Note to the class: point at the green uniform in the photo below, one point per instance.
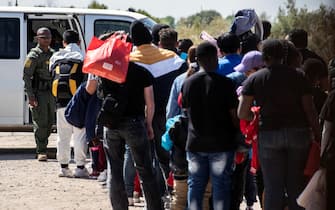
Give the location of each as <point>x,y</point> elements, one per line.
<point>37,84</point>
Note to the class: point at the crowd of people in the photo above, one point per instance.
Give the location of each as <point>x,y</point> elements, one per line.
<point>193,126</point>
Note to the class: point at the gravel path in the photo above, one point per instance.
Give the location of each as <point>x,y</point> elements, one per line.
<point>28,184</point>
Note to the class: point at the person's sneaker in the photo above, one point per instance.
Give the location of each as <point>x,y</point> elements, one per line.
<point>136,197</point>
<point>166,199</point>
<point>81,173</point>
<point>94,174</point>
<point>65,172</point>
<point>42,157</point>
<point>130,201</point>
<point>103,176</point>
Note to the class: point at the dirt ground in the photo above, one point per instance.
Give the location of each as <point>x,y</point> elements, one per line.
<point>26,184</point>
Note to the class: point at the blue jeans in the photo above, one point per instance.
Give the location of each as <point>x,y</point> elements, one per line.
<point>131,131</point>
<point>216,166</point>
<point>283,154</point>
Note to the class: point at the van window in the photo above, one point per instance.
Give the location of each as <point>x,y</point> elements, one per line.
<point>10,38</point>
<point>74,25</point>
<point>104,26</point>
<point>148,22</point>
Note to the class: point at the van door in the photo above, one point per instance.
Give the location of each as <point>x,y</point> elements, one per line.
<point>57,25</point>
<point>12,55</point>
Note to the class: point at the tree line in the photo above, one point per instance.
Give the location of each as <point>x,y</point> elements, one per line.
<point>320,25</point>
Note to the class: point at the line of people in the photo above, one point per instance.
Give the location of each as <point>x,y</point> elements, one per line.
<point>231,117</point>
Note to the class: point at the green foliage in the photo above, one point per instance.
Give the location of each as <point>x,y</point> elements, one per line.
<point>264,16</point>
<point>143,12</point>
<point>201,18</point>
<point>319,24</point>
<point>230,18</point>
<point>96,5</point>
<point>169,20</point>
<point>216,27</point>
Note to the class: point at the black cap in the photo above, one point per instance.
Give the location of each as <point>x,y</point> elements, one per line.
<point>139,33</point>
<point>155,32</point>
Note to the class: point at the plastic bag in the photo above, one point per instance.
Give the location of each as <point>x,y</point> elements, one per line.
<point>108,59</point>
<point>314,195</point>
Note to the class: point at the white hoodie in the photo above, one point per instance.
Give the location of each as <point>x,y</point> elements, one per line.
<point>71,51</point>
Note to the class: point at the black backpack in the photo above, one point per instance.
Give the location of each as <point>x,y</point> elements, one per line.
<point>114,102</point>
<point>178,132</point>
<point>67,76</point>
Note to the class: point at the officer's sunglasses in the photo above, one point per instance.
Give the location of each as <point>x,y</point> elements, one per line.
<point>44,37</point>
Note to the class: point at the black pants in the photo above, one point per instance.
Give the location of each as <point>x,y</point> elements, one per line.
<point>133,133</point>
<point>161,156</point>
<point>243,183</point>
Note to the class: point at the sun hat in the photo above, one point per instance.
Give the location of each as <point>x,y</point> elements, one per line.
<point>251,60</point>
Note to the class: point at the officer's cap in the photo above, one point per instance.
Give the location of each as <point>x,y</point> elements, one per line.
<point>43,33</point>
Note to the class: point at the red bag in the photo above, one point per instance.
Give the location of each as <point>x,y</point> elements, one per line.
<point>108,59</point>
<point>313,160</point>
<point>99,162</point>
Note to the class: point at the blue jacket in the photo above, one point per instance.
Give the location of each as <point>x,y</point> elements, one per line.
<point>76,108</point>
<point>82,110</point>
<point>172,107</point>
<point>92,111</point>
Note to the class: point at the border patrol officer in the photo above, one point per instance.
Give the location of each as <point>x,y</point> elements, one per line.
<point>37,85</point>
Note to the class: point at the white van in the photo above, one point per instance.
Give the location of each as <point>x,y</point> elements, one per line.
<point>18,26</point>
